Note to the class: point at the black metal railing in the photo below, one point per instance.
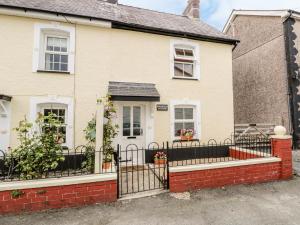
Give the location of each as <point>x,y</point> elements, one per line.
<point>73,162</point>
<point>231,149</point>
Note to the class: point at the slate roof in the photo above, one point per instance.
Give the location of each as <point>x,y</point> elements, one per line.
<point>129,16</point>
<point>5,97</point>
<point>127,89</point>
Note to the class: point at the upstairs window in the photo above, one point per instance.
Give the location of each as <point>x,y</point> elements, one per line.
<point>54,48</point>
<point>56,54</point>
<point>185,60</point>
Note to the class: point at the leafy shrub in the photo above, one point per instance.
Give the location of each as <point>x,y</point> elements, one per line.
<point>40,149</point>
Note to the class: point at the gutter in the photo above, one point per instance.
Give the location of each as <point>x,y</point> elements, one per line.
<point>114,24</point>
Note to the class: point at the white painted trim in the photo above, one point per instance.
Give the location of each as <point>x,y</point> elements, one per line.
<point>53,182</point>
<point>190,44</point>
<point>40,31</point>
<point>68,101</point>
<point>254,152</point>
<point>150,107</point>
<point>52,17</point>
<point>281,137</point>
<point>186,102</point>
<point>223,165</point>
<point>235,13</point>
<point>5,129</point>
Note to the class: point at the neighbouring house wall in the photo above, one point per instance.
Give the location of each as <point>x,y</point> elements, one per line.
<point>103,55</point>
<point>259,71</point>
<point>292,27</point>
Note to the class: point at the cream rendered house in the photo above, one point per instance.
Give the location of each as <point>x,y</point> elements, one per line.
<point>165,72</point>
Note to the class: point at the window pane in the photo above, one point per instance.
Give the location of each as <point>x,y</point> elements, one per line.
<point>189,52</point>
<point>64,58</point>
<point>178,113</point>
<point>188,70</point>
<point>136,121</point>
<point>179,52</point>
<point>189,126</point>
<point>56,66</point>
<point>126,121</point>
<point>56,58</point>
<point>64,67</point>
<point>178,127</point>
<point>188,113</point>
<point>178,69</point>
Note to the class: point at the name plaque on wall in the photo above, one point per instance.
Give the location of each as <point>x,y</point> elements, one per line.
<point>162,107</point>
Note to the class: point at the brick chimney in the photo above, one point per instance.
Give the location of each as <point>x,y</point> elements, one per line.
<point>192,9</point>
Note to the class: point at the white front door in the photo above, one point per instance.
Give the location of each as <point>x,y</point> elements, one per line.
<point>131,121</point>
<point>4,125</point>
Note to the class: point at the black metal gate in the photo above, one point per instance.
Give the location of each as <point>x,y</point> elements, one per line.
<point>138,171</point>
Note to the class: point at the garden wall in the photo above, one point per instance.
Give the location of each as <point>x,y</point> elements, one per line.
<point>28,196</point>
<point>250,170</point>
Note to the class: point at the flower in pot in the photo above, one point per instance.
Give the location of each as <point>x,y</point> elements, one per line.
<point>107,161</point>
<point>160,158</point>
<point>187,134</point>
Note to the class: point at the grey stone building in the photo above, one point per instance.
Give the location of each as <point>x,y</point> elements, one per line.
<point>266,63</point>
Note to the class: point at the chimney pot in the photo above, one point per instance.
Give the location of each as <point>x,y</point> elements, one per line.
<point>192,9</point>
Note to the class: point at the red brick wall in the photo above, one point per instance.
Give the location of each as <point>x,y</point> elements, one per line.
<point>248,174</point>
<point>186,181</point>
<point>58,197</point>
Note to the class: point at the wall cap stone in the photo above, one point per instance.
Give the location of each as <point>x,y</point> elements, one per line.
<point>223,165</point>
<point>281,137</point>
<point>52,182</point>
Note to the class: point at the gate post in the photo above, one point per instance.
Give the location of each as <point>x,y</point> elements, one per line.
<point>99,137</point>
<point>168,180</point>
<point>118,170</point>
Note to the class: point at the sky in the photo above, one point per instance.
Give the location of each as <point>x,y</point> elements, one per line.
<point>214,12</point>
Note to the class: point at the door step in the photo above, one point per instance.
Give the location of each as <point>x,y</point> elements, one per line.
<point>143,194</point>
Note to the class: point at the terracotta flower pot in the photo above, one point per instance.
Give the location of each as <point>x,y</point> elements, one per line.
<point>186,138</point>
<point>106,165</point>
<point>160,161</point>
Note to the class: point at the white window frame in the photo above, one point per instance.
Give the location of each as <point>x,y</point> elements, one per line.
<point>44,106</point>
<point>5,106</point>
<point>185,120</point>
<point>185,44</point>
<point>197,116</point>
<point>53,30</point>
<point>46,36</point>
<point>36,104</point>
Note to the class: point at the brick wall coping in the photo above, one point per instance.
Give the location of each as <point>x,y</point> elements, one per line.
<point>281,137</point>
<point>223,165</point>
<point>250,151</point>
<point>19,185</point>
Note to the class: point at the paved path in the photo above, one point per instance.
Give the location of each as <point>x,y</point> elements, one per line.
<point>275,203</point>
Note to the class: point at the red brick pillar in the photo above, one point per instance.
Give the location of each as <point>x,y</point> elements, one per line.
<point>282,148</point>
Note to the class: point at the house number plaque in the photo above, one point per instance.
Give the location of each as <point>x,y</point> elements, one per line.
<point>162,107</point>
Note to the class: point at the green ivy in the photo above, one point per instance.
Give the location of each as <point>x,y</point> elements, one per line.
<point>16,193</point>
<point>40,149</point>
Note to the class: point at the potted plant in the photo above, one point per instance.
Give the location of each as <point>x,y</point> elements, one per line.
<point>187,134</point>
<point>160,158</point>
<point>107,161</point>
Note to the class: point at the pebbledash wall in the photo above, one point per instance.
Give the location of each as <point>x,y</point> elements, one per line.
<point>252,169</point>
<point>84,190</point>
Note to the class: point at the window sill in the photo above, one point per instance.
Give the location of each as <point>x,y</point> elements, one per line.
<point>185,78</point>
<point>53,71</point>
<point>179,140</point>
